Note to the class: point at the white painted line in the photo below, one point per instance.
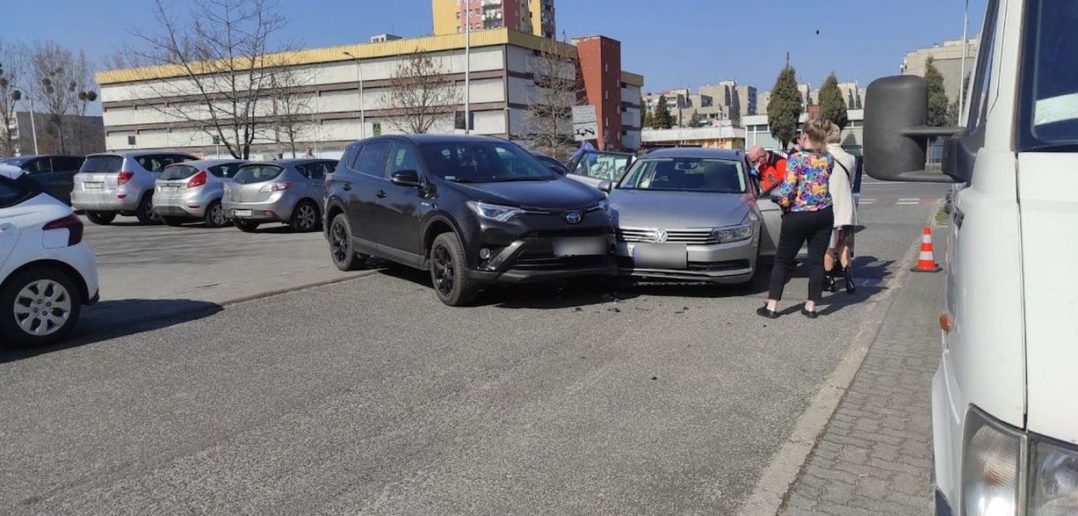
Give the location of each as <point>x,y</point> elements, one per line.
<point>907,203</point>
<point>909,199</point>
<point>782,471</point>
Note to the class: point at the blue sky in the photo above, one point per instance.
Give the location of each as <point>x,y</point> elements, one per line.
<point>674,43</point>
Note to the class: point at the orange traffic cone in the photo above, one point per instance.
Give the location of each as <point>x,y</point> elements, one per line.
<point>925,262</point>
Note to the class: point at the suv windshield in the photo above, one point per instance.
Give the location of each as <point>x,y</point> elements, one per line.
<point>14,161</point>
<point>106,163</point>
<point>1050,118</point>
<point>483,162</point>
<point>172,172</point>
<point>686,175</point>
<point>257,174</point>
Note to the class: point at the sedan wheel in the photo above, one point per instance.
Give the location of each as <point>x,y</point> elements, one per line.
<point>215,215</point>
<point>305,218</point>
<point>41,306</point>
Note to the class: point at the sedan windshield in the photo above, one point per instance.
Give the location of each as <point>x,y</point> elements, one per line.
<point>686,175</point>
<point>483,162</point>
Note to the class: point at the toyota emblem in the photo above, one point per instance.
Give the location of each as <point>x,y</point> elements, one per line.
<point>573,217</point>
<point>660,236</point>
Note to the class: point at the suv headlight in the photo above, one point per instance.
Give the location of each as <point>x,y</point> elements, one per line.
<point>732,233</point>
<point>990,466</point>
<point>494,211</point>
<point>1053,487</point>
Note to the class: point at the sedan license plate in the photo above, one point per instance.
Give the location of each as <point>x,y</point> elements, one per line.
<point>660,256</point>
<point>93,186</point>
<point>242,213</point>
<point>579,246</point>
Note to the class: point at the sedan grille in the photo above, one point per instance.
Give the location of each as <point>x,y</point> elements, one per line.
<point>680,236</point>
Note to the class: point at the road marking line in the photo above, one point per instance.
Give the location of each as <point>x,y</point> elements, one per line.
<point>785,466</point>
<point>909,199</point>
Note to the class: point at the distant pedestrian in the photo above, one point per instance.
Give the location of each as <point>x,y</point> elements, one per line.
<point>841,247</point>
<point>770,166</point>
<point>808,216</point>
<point>309,153</point>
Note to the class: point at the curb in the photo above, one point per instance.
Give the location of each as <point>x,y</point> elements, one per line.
<point>769,494</point>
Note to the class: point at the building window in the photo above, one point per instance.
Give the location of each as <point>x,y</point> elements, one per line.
<point>606,95</point>
<point>606,67</point>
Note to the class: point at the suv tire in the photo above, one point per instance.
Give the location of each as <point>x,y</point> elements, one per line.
<point>101,218</point>
<point>304,217</point>
<point>145,213</point>
<point>448,271</point>
<point>341,252</point>
<point>39,306</point>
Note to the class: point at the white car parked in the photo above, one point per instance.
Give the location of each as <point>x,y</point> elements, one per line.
<point>47,273</point>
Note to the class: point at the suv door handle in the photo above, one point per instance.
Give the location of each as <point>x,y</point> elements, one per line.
<point>381,194</point>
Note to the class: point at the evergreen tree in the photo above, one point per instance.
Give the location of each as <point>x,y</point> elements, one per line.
<point>954,110</point>
<point>937,97</point>
<point>832,103</point>
<point>695,120</point>
<point>649,117</point>
<point>662,119</point>
<point>784,107</point>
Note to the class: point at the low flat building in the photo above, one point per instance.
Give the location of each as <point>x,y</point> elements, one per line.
<point>758,132</point>
<point>947,58</point>
<point>502,89</point>
<point>719,137</point>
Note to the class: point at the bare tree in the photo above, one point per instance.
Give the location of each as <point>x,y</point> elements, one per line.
<point>292,109</point>
<point>12,75</point>
<point>421,93</point>
<point>558,89</point>
<point>55,85</point>
<point>222,58</point>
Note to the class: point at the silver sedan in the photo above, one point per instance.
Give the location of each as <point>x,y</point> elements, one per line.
<point>693,214</point>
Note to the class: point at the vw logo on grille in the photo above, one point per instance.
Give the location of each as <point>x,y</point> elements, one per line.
<point>573,217</point>
<point>660,236</point>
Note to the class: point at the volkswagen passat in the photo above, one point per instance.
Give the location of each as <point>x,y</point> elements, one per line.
<point>693,214</point>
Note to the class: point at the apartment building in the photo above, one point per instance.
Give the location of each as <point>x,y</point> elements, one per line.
<point>947,58</point>
<point>531,16</point>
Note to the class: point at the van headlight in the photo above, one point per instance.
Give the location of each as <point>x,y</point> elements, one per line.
<point>1053,487</point>
<point>494,211</point>
<point>990,466</point>
<point>732,233</point>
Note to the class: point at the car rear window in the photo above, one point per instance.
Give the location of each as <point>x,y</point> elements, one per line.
<point>178,172</point>
<point>257,174</point>
<point>227,171</point>
<point>102,164</point>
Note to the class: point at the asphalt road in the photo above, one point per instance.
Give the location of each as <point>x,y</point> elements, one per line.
<point>370,396</point>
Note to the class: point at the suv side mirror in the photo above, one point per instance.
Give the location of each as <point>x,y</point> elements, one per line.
<point>405,178</point>
<point>606,186</point>
<point>896,137</point>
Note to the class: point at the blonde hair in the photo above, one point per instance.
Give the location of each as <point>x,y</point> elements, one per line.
<point>835,134</point>
<point>817,131</point>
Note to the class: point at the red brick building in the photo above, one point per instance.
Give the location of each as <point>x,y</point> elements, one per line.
<point>600,69</point>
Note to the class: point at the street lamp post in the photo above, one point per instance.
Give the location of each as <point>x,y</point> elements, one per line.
<point>965,51</point>
<point>362,110</point>
<point>468,67</point>
<point>33,126</point>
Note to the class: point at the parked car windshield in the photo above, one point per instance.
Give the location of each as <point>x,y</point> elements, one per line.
<point>102,164</point>
<point>172,172</point>
<point>602,165</point>
<point>18,162</point>
<point>686,174</point>
<point>257,173</point>
<point>1052,111</point>
<point>483,162</point>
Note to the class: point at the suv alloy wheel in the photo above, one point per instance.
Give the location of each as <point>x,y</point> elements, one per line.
<point>448,271</point>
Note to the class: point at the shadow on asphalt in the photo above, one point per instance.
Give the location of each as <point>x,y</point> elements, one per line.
<point>113,319</point>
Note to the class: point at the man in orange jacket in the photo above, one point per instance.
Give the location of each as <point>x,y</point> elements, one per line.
<point>771,166</point>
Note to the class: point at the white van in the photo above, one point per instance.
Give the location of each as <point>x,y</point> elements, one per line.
<point>1005,397</point>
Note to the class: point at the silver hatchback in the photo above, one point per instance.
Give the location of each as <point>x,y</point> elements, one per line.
<point>288,191</point>
<point>121,183</point>
<point>193,191</point>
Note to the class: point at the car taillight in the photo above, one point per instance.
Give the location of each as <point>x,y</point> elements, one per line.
<point>73,226</point>
<point>277,187</point>
<point>124,177</point>
<point>198,180</point>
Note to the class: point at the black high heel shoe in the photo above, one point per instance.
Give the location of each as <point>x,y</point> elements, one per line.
<point>764,312</point>
<point>850,287</point>
<point>829,281</point>
<point>811,314</point>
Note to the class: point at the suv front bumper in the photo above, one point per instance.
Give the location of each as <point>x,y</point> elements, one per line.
<point>540,259</point>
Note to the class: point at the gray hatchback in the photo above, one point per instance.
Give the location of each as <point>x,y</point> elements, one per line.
<point>288,191</point>
<point>193,190</point>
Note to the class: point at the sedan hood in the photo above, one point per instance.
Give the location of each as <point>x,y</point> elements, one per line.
<point>655,209</point>
<point>559,194</point>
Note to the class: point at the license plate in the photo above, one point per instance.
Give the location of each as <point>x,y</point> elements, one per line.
<point>93,186</point>
<point>660,256</point>
<point>169,188</point>
<point>242,213</point>
<point>579,246</point>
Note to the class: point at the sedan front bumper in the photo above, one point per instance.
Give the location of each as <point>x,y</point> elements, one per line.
<point>733,262</point>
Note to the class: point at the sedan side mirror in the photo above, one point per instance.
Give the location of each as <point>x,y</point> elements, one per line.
<point>606,186</point>
<point>406,178</point>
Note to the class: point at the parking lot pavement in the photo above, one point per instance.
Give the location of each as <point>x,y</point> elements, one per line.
<point>370,396</point>
<point>876,455</point>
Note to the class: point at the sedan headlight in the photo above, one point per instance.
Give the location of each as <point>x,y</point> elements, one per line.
<point>1053,488</point>
<point>494,211</point>
<point>732,233</point>
<point>990,466</point>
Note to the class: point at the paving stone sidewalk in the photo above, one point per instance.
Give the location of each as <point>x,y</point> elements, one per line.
<point>875,456</point>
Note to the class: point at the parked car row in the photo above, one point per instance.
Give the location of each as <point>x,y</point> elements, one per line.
<point>475,211</point>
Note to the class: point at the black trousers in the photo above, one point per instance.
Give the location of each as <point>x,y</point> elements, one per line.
<point>797,228</point>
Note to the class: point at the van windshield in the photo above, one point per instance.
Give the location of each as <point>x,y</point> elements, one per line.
<point>257,174</point>
<point>1051,112</point>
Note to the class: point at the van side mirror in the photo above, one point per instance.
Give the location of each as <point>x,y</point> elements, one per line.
<point>896,137</point>
<point>406,178</point>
